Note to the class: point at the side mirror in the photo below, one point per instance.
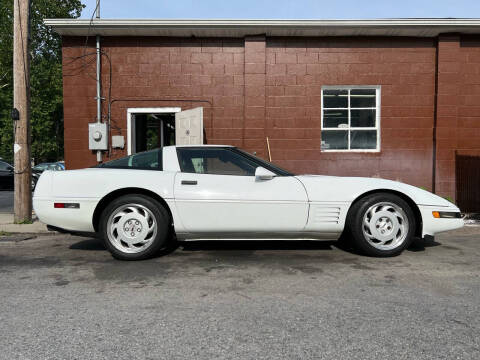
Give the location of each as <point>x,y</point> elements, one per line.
<point>262,174</point>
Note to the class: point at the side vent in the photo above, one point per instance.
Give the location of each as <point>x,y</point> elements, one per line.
<point>324,214</point>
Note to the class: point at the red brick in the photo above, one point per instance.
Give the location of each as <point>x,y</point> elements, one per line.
<point>171,68</point>
<point>201,79</point>
<point>234,69</point>
<point>191,68</point>
<point>255,57</point>
<point>296,69</point>
<point>222,58</point>
<point>254,79</point>
<point>307,58</point>
<point>201,58</point>
<point>285,58</point>
<point>213,69</point>
<point>254,68</point>
<point>238,58</point>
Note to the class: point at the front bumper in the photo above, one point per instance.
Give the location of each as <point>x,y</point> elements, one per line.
<point>445,222</point>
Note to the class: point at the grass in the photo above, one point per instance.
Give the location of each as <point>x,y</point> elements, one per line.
<point>24,222</point>
<point>4,233</point>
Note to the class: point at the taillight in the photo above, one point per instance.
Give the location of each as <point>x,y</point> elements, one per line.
<point>66,205</point>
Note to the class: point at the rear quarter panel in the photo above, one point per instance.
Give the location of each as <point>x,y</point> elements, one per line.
<point>87,187</point>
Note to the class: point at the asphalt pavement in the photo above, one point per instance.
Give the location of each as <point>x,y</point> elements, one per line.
<point>65,297</point>
<point>6,201</point>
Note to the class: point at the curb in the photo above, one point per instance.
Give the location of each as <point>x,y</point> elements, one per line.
<point>7,226</point>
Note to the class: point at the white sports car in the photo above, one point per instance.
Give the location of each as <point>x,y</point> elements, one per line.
<point>137,203</point>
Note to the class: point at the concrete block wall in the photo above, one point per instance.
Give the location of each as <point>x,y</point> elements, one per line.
<point>258,87</point>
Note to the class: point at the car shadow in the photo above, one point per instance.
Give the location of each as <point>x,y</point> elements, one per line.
<point>93,244</point>
<point>252,245</point>
<point>420,244</point>
<point>88,245</point>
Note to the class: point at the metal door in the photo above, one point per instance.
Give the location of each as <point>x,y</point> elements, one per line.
<point>189,127</point>
<point>468,183</point>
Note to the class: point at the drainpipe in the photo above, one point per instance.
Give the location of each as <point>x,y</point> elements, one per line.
<point>99,93</point>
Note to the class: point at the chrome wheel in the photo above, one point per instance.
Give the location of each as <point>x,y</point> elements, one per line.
<point>131,228</point>
<point>385,226</point>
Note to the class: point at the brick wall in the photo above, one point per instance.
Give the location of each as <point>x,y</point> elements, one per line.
<point>153,72</point>
<point>458,109</point>
<point>405,70</point>
<point>256,87</point>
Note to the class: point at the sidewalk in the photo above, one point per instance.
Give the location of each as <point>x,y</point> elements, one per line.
<point>7,225</point>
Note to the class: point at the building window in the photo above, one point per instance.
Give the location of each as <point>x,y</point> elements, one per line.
<point>351,118</point>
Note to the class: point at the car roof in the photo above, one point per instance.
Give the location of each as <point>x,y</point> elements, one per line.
<point>199,146</point>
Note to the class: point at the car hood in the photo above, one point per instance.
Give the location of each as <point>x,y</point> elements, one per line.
<point>336,188</point>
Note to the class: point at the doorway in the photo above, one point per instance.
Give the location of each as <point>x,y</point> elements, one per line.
<point>150,128</point>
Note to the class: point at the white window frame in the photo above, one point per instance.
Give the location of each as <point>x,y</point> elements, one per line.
<point>349,129</point>
<point>131,122</point>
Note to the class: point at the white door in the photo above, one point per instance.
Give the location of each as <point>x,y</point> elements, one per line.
<point>211,199</point>
<point>189,127</point>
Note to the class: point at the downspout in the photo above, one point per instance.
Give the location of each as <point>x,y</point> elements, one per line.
<point>435,115</point>
<point>99,90</point>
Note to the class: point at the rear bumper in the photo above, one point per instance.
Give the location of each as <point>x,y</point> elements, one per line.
<point>69,220</point>
<point>432,225</point>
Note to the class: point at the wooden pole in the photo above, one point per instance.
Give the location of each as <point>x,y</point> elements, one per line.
<point>268,147</point>
<point>21,101</point>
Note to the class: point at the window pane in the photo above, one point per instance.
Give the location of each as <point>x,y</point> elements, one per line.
<point>335,98</point>
<point>147,160</point>
<point>335,118</point>
<point>363,139</point>
<point>215,161</point>
<point>4,166</point>
<point>334,140</point>
<point>362,118</point>
<point>362,98</point>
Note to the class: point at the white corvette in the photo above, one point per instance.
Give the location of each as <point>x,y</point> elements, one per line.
<point>137,203</point>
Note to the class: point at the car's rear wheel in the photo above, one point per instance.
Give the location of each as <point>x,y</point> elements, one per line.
<point>134,227</point>
<point>381,224</point>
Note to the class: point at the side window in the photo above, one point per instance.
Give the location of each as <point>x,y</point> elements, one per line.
<point>216,161</point>
<point>4,166</point>
<point>147,160</point>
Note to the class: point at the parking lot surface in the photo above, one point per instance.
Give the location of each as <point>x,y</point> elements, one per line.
<point>66,297</point>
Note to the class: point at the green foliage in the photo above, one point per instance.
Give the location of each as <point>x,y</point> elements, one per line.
<point>24,222</point>
<point>45,78</point>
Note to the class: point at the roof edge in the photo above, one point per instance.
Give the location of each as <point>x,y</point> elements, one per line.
<point>222,27</point>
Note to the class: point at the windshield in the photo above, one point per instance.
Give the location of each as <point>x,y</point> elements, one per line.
<point>267,165</point>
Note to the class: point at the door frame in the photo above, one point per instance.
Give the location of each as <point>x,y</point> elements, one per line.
<point>131,124</point>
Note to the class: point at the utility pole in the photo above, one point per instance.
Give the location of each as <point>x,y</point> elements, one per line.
<point>21,102</point>
<point>99,88</point>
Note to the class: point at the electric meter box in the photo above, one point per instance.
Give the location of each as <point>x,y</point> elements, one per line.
<point>97,136</point>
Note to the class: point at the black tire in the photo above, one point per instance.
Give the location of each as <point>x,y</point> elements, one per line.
<point>163,224</point>
<point>355,225</point>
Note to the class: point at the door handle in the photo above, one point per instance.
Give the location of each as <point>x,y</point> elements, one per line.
<point>189,182</point>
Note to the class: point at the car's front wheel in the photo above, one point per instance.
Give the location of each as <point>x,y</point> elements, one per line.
<point>134,227</point>
<point>381,224</point>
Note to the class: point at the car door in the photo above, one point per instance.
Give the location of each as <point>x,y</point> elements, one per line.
<point>6,175</point>
<point>217,192</point>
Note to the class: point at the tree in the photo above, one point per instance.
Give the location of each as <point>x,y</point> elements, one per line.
<point>45,78</point>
